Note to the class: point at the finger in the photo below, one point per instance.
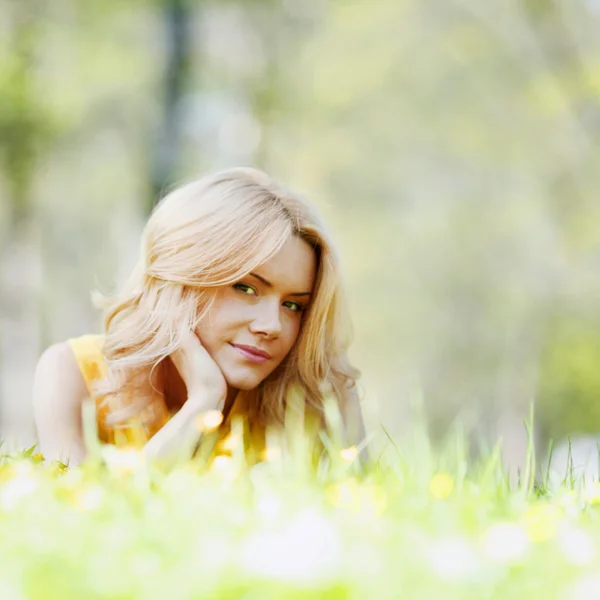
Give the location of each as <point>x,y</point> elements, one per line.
<point>190,354</point>
<point>183,355</point>
<point>178,360</point>
<point>192,344</point>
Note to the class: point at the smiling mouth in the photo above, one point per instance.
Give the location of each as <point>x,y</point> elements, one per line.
<point>252,354</point>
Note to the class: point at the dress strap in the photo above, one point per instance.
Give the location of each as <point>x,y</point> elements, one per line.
<point>87,350</point>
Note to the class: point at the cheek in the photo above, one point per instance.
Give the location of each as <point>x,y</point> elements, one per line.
<point>225,315</point>
<point>212,329</point>
<point>290,334</point>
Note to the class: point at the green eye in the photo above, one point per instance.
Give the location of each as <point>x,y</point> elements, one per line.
<point>294,306</point>
<point>245,289</point>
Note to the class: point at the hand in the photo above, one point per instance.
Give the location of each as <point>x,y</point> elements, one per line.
<point>203,379</point>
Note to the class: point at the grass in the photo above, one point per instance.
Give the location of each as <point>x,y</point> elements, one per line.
<point>413,524</point>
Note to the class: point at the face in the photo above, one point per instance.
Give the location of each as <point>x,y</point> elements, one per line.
<point>255,322</point>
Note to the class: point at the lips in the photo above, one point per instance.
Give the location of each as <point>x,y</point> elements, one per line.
<point>252,353</point>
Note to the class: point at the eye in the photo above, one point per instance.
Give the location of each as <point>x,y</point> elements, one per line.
<point>245,289</point>
<point>294,306</point>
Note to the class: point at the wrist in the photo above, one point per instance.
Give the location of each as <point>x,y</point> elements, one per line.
<point>204,400</point>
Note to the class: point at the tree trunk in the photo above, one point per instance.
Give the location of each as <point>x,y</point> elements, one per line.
<point>177,17</point>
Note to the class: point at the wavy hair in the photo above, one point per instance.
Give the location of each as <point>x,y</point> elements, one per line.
<point>209,233</point>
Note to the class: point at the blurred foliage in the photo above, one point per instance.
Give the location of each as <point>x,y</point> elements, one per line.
<point>25,123</point>
<point>454,148</point>
<point>569,401</point>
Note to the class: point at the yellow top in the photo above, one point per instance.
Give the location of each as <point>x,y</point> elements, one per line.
<point>137,431</point>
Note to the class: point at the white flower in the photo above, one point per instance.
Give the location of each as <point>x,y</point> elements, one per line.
<point>506,542</point>
<point>269,506</point>
<point>307,550</point>
<point>11,590</point>
<point>453,559</point>
<point>122,461</point>
<point>577,546</point>
<point>89,498</point>
<point>22,484</point>
<point>585,588</point>
<point>179,481</point>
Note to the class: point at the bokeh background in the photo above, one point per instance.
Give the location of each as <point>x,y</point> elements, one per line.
<point>452,146</point>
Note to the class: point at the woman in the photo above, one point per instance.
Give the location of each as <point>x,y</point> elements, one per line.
<point>235,304</point>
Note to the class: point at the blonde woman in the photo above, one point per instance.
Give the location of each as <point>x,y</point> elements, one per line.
<point>235,304</point>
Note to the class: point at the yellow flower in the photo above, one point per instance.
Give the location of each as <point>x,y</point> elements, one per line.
<point>21,483</point>
<point>88,497</point>
<point>123,461</point>
<point>221,463</point>
<point>344,494</point>
<point>225,468</point>
<point>349,454</point>
<point>272,453</point>
<point>374,498</point>
<point>592,494</point>
<point>57,468</point>
<point>541,521</point>
<point>441,485</point>
<point>209,421</point>
<point>367,498</point>
<point>231,442</point>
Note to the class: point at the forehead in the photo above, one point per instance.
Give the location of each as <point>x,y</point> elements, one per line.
<point>293,268</point>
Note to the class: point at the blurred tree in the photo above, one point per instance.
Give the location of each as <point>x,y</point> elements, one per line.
<point>26,128</point>
<point>569,402</point>
<point>25,124</point>
<point>177,19</point>
<point>454,146</point>
<point>452,136</point>
<point>281,27</point>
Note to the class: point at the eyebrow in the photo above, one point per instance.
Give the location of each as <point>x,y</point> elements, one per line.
<point>270,285</point>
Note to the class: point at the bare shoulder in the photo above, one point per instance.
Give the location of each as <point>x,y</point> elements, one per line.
<point>59,390</point>
<point>57,375</point>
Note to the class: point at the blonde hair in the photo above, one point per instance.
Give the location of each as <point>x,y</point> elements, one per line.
<point>209,233</point>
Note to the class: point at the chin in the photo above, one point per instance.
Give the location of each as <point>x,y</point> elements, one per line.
<point>244,381</point>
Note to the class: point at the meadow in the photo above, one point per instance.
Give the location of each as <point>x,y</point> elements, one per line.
<point>409,522</point>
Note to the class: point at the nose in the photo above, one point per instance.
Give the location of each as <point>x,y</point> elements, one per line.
<point>266,321</point>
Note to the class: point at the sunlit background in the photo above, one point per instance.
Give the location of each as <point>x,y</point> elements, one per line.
<point>452,147</point>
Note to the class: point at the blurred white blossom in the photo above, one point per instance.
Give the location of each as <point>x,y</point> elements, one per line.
<point>307,550</point>
<point>506,542</point>
<point>453,559</point>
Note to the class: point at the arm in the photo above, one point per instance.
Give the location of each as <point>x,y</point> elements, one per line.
<point>58,393</point>
<point>180,435</point>
<point>207,390</point>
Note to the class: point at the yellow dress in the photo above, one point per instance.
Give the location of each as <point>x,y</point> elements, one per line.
<point>87,350</point>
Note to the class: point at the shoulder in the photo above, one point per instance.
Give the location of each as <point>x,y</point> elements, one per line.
<point>57,372</point>
<point>87,352</point>
<point>89,345</point>
<point>60,350</point>
<point>59,391</point>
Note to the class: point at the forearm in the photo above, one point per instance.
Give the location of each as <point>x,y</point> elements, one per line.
<point>178,438</point>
